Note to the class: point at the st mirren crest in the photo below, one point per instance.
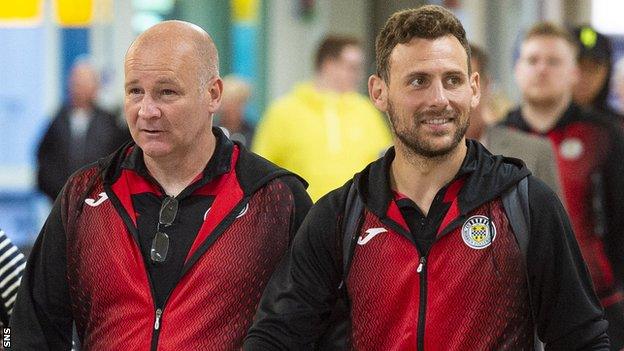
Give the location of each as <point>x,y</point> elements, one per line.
<point>478,232</point>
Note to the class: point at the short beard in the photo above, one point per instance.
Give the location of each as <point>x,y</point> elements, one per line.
<point>420,147</point>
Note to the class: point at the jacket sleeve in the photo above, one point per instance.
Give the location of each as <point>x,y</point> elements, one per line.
<point>299,298</point>
<point>546,167</point>
<point>614,205</point>
<point>565,306</point>
<point>302,203</point>
<point>12,264</point>
<point>50,168</point>
<point>42,318</point>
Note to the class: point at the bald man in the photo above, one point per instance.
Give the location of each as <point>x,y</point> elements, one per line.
<point>168,243</point>
<point>80,133</point>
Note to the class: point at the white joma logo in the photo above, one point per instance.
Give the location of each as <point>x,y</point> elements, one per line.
<point>370,233</point>
<point>92,202</point>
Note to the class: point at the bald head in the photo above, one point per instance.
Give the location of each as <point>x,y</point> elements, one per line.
<point>185,38</point>
<point>83,84</point>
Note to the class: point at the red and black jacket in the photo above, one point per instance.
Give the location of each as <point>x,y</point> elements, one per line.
<point>462,293</point>
<point>88,265</point>
<point>590,159</point>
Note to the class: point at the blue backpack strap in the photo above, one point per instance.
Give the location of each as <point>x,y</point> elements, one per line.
<point>516,204</point>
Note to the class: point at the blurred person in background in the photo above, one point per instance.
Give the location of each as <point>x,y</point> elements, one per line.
<point>80,133</point>
<point>231,115</point>
<point>535,151</point>
<point>595,67</point>
<point>618,83</point>
<point>168,242</point>
<point>324,130</point>
<point>590,156</point>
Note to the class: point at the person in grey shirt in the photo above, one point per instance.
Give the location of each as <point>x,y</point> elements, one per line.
<point>536,152</point>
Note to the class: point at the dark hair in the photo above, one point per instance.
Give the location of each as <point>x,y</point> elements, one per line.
<point>596,47</point>
<point>331,47</point>
<point>426,22</point>
<point>548,29</point>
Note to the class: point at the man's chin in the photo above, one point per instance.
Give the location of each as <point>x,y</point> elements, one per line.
<point>432,149</point>
<point>155,150</point>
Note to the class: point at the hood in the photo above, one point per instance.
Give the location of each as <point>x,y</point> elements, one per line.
<point>486,177</point>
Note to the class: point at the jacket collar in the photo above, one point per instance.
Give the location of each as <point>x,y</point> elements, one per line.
<point>486,176</point>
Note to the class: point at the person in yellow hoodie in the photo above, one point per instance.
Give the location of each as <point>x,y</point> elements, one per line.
<point>324,130</point>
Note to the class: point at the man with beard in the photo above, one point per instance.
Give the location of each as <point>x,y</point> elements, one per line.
<point>430,259</point>
<point>590,157</point>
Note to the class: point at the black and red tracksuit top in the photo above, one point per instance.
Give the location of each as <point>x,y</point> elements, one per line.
<point>106,289</point>
<point>590,158</point>
<point>468,291</point>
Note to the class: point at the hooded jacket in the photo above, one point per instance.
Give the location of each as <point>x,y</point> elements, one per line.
<point>324,137</point>
<point>590,150</point>
<point>467,291</point>
<point>88,265</point>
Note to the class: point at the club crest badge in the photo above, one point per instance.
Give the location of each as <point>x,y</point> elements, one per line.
<point>478,233</point>
<point>571,148</point>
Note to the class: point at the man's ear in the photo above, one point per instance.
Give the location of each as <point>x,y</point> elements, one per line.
<point>378,92</point>
<point>214,93</point>
<point>475,86</point>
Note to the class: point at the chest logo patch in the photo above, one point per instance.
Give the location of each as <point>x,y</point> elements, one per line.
<point>94,203</point>
<point>478,232</point>
<point>369,234</point>
<point>571,148</point>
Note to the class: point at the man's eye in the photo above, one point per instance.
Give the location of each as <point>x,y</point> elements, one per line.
<point>417,82</point>
<point>454,80</point>
<point>134,91</point>
<point>168,92</point>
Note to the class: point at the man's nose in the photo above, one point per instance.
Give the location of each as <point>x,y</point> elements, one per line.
<point>148,108</point>
<point>439,95</point>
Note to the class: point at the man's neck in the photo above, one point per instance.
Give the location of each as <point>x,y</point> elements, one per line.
<point>420,178</point>
<point>543,117</point>
<point>175,172</point>
<point>325,84</point>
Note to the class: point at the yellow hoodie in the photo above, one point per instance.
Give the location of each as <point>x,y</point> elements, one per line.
<point>324,137</point>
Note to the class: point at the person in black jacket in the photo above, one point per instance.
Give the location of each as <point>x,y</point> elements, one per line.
<point>169,242</point>
<point>595,62</point>
<point>436,261</point>
<point>80,133</point>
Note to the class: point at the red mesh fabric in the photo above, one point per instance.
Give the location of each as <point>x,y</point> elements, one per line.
<point>478,299</point>
<point>210,309</point>
<point>472,302</point>
<point>110,294</point>
<point>213,307</point>
<point>575,176</point>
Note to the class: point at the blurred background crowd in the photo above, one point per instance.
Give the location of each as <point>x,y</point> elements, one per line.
<point>62,81</point>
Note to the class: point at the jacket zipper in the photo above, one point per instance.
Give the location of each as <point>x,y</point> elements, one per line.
<point>160,310</point>
<point>157,319</point>
<point>422,303</point>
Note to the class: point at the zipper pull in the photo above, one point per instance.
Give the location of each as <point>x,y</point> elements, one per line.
<point>157,321</point>
<point>423,260</point>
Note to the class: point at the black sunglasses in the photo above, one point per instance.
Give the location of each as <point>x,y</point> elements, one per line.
<point>160,243</point>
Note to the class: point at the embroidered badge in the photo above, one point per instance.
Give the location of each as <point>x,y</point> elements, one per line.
<point>571,148</point>
<point>478,233</point>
